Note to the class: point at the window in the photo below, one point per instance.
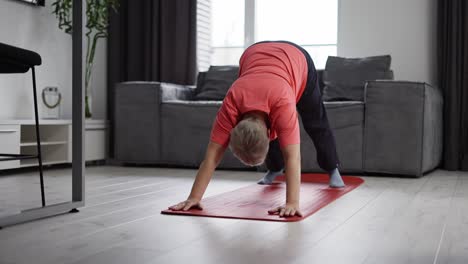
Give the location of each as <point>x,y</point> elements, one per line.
<point>236,24</point>
<point>227,31</point>
<point>309,23</point>
<point>203,34</point>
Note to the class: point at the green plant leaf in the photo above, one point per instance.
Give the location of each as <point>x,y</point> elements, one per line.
<point>97,23</point>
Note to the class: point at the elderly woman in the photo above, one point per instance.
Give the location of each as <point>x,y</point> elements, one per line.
<point>258,121</point>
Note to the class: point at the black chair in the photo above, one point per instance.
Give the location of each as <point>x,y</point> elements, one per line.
<point>16,60</point>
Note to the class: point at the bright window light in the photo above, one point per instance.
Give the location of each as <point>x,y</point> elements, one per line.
<point>313,24</point>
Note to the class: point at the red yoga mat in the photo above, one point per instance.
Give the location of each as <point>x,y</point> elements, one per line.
<point>254,201</point>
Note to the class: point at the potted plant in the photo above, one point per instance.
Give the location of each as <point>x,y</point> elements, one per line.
<point>97,22</point>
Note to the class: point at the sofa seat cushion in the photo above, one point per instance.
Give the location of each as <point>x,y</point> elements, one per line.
<point>186,125</point>
<point>340,114</point>
<point>347,122</point>
<point>345,114</point>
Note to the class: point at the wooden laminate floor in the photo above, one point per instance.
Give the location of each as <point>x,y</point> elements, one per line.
<point>386,220</point>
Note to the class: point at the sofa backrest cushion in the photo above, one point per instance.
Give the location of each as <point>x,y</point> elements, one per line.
<point>345,78</point>
<point>214,83</point>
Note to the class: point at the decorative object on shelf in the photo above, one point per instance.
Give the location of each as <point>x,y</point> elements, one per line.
<point>51,98</point>
<point>34,2</point>
<point>97,22</point>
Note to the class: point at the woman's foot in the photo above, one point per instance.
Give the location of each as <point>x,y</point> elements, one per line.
<point>335,179</point>
<point>269,177</point>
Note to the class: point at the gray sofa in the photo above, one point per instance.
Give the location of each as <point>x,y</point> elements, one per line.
<point>395,129</point>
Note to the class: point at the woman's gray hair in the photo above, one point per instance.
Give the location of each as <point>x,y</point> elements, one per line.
<point>249,142</point>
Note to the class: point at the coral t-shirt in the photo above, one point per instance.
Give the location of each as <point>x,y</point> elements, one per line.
<point>272,78</point>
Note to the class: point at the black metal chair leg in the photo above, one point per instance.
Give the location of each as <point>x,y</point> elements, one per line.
<point>38,138</point>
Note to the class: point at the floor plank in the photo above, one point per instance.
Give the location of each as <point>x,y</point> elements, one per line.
<point>386,220</point>
<point>413,233</point>
<point>453,244</point>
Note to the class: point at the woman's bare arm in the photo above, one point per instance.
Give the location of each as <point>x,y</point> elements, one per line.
<point>292,161</point>
<point>213,156</point>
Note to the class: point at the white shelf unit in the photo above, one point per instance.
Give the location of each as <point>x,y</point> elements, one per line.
<point>52,153</point>
<point>19,137</point>
<point>27,144</point>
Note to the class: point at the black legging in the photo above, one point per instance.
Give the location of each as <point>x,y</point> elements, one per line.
<point>314,118</point>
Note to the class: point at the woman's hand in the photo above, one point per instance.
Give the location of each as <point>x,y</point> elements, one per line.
<point>186,205</point>
<point>286,210</point>
<point>214,153</point>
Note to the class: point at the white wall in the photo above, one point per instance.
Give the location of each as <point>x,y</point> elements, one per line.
<point>35,28</point>
<point>405,29</point>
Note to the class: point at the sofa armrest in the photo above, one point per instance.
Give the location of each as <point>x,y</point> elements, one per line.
<point>137,122</point>
<point>402,127</point>
<point>171,91</point>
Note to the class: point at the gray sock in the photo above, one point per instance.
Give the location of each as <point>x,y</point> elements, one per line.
<point>270,177</point>
<point>335,179</point>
